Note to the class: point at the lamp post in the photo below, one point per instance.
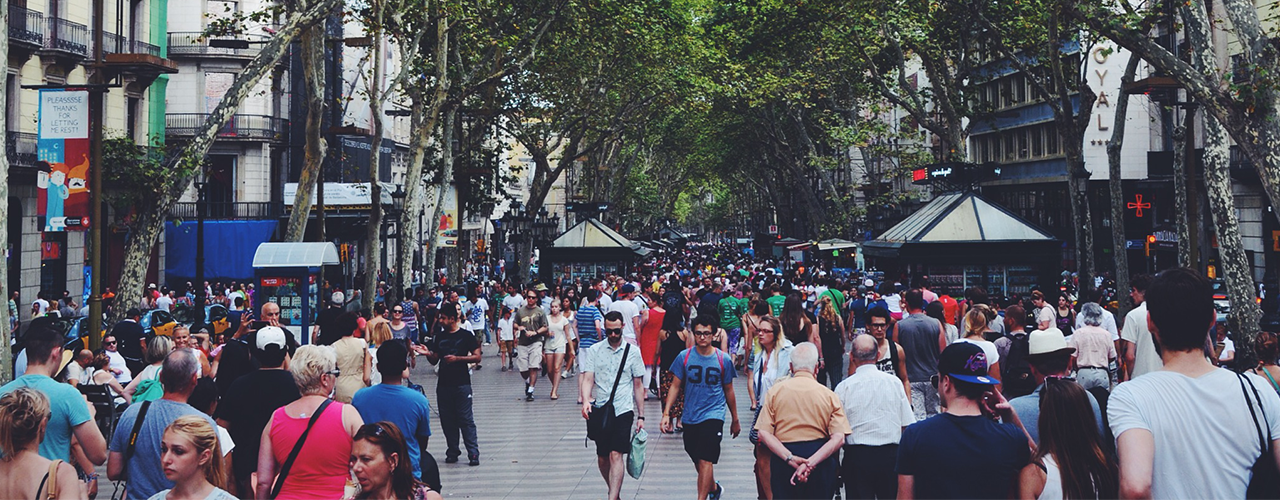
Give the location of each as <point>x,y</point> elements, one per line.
<point>393,230</point>
<point>202,202</point>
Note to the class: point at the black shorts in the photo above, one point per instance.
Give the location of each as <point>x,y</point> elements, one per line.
<point>702,440</point>
<point>617,436</point>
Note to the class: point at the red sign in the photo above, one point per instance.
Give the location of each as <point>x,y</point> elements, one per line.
<point>919,174</point>
<point>50,250</point>
<point>1137,205</point>
<point>272,281</point>
<point>773,229</point>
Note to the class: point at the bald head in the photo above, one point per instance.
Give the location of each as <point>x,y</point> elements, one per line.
<point>270,311</point>
<point>865,349</point>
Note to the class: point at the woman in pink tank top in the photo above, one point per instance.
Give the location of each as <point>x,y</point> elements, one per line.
<point>321,467</point>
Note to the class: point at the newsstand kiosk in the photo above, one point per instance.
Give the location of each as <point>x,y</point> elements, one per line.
<point>289,275</point>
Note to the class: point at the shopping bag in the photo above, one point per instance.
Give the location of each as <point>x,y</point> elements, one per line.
<point>635,460</point>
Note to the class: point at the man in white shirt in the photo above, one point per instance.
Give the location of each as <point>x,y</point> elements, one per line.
<point>40,307</point>
<point>165,302</point>
<point>630,313</point>
<point>1189,429</point>
<point>1140,355</point>
<point>117,365</point>
<point>877,410</point>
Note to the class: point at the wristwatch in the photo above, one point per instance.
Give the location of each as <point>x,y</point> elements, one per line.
<point>789,457</point>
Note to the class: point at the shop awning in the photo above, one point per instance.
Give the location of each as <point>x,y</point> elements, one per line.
<point>835,244</point>
<point>965,223</point>
<point>295,255</point>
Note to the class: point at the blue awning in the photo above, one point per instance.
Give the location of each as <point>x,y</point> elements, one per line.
<point>228,248</point>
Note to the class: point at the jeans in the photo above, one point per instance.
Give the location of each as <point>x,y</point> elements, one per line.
<point>833,369</point>
<point>455,415</point>
<point>868,472</point>
<point>924,400</point>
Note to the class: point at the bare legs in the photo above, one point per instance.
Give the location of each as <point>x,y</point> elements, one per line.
<point>611,469</point>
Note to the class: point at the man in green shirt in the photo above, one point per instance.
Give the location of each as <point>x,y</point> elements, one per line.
<point>732,307</point>
<point>776,300</point>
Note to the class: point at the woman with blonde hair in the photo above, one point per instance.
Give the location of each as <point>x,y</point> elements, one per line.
<point>192,459</point>
<point>831,331</point>
<point>773,364</point>
<point>319,469</point>
<point>381,332</point>
<point>975,325</point>
<point>24,413</point>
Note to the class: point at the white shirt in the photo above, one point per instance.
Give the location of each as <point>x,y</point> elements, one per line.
<point>1205,438</point>
<point>875,405</point>
<point>1228,347</point>
<point>1108,324</point>
<point>41,306</point>
<point>117,363</point>
<point>629,311</point>
<point>164,302</point>
<point>513,302</point>
<point>505,331</point>
<point>605,302</point>
<point>1145,357</point>
<point>604,361</point>
<point>1046,313</point>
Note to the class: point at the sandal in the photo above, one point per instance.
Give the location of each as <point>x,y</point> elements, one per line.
<point>555,397</point>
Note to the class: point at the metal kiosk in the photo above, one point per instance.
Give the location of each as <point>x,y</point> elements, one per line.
<point>289,274</point>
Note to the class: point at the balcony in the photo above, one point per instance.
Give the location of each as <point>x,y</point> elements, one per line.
<point>26,29</point>
<point>241,127</point>
<point>228,210</point>
<point>135,58</point>
<point>67,39</point>
<point>20,148</point>
<point>195,44</point>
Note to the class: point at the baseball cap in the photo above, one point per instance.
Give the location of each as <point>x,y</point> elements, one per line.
<point>338,298</point>
<point>965,362</point>
<point>271,335</point>
<point>1045,342</point>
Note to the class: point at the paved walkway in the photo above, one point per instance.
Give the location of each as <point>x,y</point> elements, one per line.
<point>535,449</point>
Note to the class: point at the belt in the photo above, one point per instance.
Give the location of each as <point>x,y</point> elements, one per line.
<point>1091,368</point>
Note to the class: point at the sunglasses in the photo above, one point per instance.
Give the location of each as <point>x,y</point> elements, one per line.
<point>111,342</point>
<point>880,325</point>
<point>335,373</point>
<point>398,311</point>
<point>934,379</point>
<point>613,331</point>
<point>764,330</point>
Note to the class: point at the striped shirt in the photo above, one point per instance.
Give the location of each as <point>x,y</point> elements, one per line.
<point>587,333</point>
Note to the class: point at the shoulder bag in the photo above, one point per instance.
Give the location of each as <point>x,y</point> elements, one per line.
<point>1265,481</point>
<point>297,448</point>
<point>602,418</point>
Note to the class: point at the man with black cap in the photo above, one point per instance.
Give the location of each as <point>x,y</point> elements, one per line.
<point>454,347</point>
<point>963,452</point>
<point>393,402</point>
<point>250,400</point>
<point>1049,356</point>
<point>132,340</point>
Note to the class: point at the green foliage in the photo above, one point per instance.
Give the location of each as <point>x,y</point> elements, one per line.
<point>136,175</point>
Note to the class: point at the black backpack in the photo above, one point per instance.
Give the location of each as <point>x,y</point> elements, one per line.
<point>1015,369</point>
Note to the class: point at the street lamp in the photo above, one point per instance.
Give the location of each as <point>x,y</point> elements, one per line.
<point>393,213</point>
<point>202,203</point>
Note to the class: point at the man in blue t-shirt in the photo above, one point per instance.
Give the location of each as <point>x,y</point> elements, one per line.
<point>408,409</point>
<point>590,325</point>
<point>69,413</point>
<point>962,452</point>
<point>706,375</point>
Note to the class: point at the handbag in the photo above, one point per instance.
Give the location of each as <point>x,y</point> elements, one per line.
<point>1265,481</point>
<point>635,459</point>
<point>602,418</point>
<point>297,448</point>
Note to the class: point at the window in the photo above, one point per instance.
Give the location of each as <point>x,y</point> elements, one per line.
<point>1020,88</point>
<point>1006,93</point>
<point>1037,141</point>
<point>1021,136</point>
<point>1051,140</point>
<point>14,106</point>
<point>131,117</point>
<point>1010,148</point>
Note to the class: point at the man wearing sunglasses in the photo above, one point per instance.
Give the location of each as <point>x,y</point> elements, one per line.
<point>454,348</point>
<point>604,362</point>
<point>531,328</point>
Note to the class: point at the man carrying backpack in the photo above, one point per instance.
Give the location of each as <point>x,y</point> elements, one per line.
<point>1014,349</point>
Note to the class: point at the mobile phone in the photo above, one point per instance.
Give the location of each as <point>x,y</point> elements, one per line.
<point>258,324</point>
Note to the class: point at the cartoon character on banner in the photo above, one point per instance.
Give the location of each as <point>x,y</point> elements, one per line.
<point>53,179</point>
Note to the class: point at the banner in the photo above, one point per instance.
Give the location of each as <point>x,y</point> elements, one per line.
<point>62,191</point>
<point>447,229</point>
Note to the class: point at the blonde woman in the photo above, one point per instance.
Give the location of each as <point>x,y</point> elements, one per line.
<point>555,346</point>
<point>190,455</point>
<point>381,332</point>
<point>975,325</point>
<point>24,413</point>
<point>831,331</point>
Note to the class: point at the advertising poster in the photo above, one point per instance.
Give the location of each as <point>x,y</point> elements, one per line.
<point>62,191</point>
<point>447,229</point>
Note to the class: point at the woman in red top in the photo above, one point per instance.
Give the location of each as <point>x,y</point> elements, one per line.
<point>649,333</point>
<point>320,469</point>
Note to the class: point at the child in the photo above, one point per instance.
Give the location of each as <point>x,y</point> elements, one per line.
<point>506,339</point>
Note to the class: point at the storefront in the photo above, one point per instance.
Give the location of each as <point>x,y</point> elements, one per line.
<point>961,240</point>
<point>586,251</point>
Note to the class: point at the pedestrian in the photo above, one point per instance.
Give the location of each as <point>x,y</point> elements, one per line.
<point>1267,346</point>
<point>132,340</point>
<point>400,331</point>
<point>24,416</point>
<point>963,452</point>
<point>556,344</point>
<point>651,337</point>
<point>453,348</point>
<point>1188,411</point>
<point>380,335</point>
<point>326,329</point>
<point>975,333</point>
<point>877,409</point>
<point>757,309</point>
<point>379,466</point>
<point>1069,460</point>
<point>922,339</point>
<point>831,332</point>
<point>116,363</point>
<point>236,358</point>
<point>307,443</point>
<point>158,348</point>
<point>1044,315</point>
<point>401,406</point>
<point>476,310</point>
<point>411,314</point>
<point>531,328</point>
<point>70,415</point>
<point>506,340</point>
<point>380,313</point>
<point>355,364</point>
<point>1050,357</point>
<point>250,402</point>
<point>192,460</point>
<point>1139,349</point>
<point>610,414</point>
<point>705,374</point>
<point>797,325</point>
<point>771,365</point>
<point>1095,352</point>
<point>1064,316</point>
<point>803,425</point>
<point>136,451</point>
<point>732,307</point>
<point>937,310</point>
<point>99,374</point>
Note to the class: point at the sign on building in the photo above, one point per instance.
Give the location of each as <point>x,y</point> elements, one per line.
<point>62,199</point>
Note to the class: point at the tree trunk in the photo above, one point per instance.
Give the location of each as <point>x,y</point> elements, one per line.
<point>1081,217</point>
<point>1119,244</point>
<point>440,188</point>
<point>314,151</point>
<point>1245,313</point>
<point>145,228</point>
<point>6,354</point>
<point>425,118</point>
<point>373,238</point>
<point>1181,213</point>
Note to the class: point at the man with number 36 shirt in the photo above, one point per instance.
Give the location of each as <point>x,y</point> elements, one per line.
<point>706,375</point>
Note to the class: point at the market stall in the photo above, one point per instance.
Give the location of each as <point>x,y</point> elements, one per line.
<point>961,240</point>
<point>587,250</point>
<point>288,275</point>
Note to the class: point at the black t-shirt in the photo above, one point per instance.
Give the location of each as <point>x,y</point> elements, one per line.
<point>328,321</point>
<point>962,457</point>
<point>459,343</point>
<point>235,362</point>
<point>128,335</point>
<point>248,407</point>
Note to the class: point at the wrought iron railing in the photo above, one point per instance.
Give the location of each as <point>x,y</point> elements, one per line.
<point>141,47</point>
<point>240,127</point>
<point>26,25</point>
<point>20,148</point>
<point>198,44</point>
<point>227,210</point>
<point>67,36</point>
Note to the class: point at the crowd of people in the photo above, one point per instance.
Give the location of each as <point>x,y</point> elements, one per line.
<point>861,385</point>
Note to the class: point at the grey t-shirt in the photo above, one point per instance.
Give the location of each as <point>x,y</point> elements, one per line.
<point>918,336</point>
<point>144,471</point>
